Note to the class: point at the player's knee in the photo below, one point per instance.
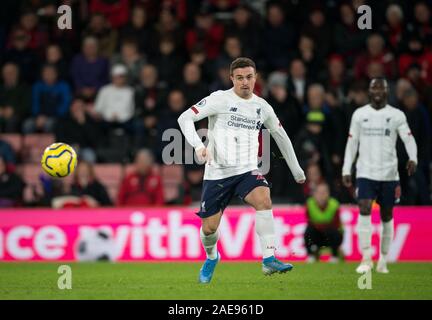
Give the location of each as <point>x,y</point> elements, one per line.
<point>209,229</point>
<point>386,215</point>
<point>365,209</point>
<point>263,203</point>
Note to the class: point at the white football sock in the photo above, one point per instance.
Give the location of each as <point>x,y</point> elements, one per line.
<point>387,231</point>
<point>264,226</point>
<point>210,243</point>
<point>364,230</point>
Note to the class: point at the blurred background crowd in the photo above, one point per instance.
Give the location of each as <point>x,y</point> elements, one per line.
<point>112,84</point>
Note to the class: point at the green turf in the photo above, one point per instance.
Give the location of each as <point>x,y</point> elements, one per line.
<point>231,281</point>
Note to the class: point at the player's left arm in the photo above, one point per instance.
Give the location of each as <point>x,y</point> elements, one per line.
<point>410,145</point>
<point>279,134</point>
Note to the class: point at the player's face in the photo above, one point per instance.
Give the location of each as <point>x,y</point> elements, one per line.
<point>378,92</point>
<point>244,81</point>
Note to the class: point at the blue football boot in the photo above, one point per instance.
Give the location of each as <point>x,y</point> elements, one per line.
<point>207,270</point>
<point>271,265</point>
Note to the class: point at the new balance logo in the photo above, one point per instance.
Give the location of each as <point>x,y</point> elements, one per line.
<point>233,109</point>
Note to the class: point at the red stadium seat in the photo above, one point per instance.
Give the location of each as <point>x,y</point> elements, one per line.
<point>110,175</point>
<point>15,140</point>
<point>172,178</point>
<point>34,145</point>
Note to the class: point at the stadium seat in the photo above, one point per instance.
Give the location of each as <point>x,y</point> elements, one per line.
<point>172,178</point>
<point>110,175</point>
<point>15,140</point>
<point>34,145</point>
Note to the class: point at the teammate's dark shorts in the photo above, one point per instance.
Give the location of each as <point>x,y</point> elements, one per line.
<point>216,194</point>
<point>386,193</point>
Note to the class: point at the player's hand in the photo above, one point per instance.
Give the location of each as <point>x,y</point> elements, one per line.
<point>346,180</point>
<point>203,155</point>
<point>301,181</point>
<point>411,167</point>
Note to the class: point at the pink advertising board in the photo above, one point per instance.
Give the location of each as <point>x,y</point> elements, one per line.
<point>172,234</point>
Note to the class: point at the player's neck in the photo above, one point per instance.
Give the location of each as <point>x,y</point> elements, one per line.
<point>240,96</point>
<point>378,106</point>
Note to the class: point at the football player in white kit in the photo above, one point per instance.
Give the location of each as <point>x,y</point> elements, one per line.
<point>373,132</point>
<point>235,117</point>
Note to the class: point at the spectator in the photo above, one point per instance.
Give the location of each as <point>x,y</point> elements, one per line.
<point>38,37</point>
<point>313,179</point>
<point>115,11</point>
<point>416,188</point>
<point>137,28</point>
<point>207,34</point>
<point>422,21</point>
<point>80,131</point>
<point>150,96</point>
<point>278,38</point>
<point>50,100</point>
<point>22,55</point>
<point>297,81</point>
<point>87,186</point>
<point>193,185</point>
<point>11,187</point>
<point>130,57</point>
<point>231,50</point>
<point>176,105</point>
<point>319,30</point>
<point>394,28</point>
<point>311,144</point>
<point>307,52</point>
<point>15,99</point>
<point>198,56</point>
<point>285,105</point>
<point>336,78</point>
<point>54,56</point>
<point>115,101</point>
<point>316,99</point>
<point>168,62</point>
<point>245,27</point>
<point>324,225</point>
<point>376,53</point>
<point>416,56</point>
<point>223,78</point>
<point>89,71</point>
<point>142,187</point>
<point>357,97</point>
<point>100,29</point>
<point>192,86</point>
<point>8,155</point>
<point>168,27</point>
<point>348,38</point>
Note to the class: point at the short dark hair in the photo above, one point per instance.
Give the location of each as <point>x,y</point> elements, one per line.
<point>242,62</point>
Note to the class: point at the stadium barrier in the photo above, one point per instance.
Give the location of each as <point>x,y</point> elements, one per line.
<point>172,234</point>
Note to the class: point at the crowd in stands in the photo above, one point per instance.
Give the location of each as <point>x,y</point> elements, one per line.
<point>112,84</point>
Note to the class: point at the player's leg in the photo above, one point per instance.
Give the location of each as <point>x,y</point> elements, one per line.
<point>364,230</point>
<point>312,240</point>
<point>259,198</point>
<point>209,234</point>
<point>334,239</point>
<point>390,193</point>
<point>215,196</point>
<point>386,237</point>
<point>366,193</point>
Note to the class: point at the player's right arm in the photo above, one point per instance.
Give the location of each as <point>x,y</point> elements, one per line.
<point>351,149</point>
<point>206,107</point>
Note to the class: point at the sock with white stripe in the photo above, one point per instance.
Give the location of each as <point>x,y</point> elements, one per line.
<point>209,243</point>
<point>264,226</point>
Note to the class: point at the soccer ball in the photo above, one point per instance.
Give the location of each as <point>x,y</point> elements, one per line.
<point>59,160</point>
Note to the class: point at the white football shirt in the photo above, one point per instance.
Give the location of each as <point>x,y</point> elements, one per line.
<point>374,133</point>
<point>233,128</point>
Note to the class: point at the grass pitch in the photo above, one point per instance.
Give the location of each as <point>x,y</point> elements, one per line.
<point>231,281</point>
